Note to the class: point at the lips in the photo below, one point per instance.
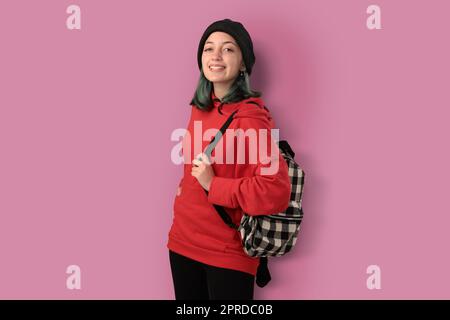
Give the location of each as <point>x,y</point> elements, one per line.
<point>216,67</point>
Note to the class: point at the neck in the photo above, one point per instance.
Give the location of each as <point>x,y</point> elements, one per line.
<point>220,90</point>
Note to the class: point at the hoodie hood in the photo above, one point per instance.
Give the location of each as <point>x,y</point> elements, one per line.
<point>253,107</point>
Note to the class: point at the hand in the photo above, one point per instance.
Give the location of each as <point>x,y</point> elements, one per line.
<point>202,171</point>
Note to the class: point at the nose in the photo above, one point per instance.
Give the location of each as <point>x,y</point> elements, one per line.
<point>217,54</point>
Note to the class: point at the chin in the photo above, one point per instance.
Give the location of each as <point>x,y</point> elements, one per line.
<point>218,80</point>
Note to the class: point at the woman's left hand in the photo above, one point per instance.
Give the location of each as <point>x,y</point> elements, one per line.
<point>202,171</point>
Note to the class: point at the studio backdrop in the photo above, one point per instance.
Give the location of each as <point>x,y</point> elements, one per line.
<point>91,93</point>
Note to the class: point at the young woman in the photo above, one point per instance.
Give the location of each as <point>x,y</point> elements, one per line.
<point>206,256</point>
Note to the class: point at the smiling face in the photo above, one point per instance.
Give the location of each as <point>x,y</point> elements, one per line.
<point>221,61</point>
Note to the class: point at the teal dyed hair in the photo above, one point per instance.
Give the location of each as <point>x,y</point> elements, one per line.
<point>239,90</point>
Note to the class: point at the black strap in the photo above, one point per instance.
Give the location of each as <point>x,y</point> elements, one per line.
<point>262,275</point>
<point>224,215</point>
<point>220,210</point>
<point>284,145</point>
<point>218,135</point>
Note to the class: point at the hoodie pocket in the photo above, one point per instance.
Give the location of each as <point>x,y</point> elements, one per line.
<point>208,243</point>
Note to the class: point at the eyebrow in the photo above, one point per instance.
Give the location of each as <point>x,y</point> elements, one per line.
<point>222,42</point>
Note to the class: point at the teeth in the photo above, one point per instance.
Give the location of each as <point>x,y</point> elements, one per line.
<point>215,68</point>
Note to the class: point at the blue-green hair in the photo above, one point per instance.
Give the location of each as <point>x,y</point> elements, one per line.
<point>239,90</point>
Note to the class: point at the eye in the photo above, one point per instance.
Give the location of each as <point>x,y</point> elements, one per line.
<point>231,50</point>
<point>207,49</point>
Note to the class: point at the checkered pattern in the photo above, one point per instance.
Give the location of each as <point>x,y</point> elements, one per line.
<point>276,234</point>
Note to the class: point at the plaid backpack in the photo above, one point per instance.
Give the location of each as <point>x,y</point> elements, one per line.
<point>269,235</point>
<point>276,234</point>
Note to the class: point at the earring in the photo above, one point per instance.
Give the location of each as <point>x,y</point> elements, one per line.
<point>242,73</point>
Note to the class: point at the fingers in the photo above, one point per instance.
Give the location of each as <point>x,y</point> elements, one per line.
<point>199,165</point>
<point>196,162</point>
<point>203,158</point>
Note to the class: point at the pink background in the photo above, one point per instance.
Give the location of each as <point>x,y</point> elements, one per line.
<point>86,117</point>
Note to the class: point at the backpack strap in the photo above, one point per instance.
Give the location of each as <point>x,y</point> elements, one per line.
<point>262,275</point>
<point>219,135</point>
<point>286,148</point>
<point>220,210</point>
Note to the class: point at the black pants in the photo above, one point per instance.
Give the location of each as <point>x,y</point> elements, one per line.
<point>194,280</point>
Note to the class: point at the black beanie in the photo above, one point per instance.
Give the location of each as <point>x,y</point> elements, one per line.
<point>238,32</point>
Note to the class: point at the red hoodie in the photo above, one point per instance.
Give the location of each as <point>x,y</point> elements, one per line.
<point>197,231</point>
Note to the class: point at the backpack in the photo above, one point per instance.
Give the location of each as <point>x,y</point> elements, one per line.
<point>268,235</point>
